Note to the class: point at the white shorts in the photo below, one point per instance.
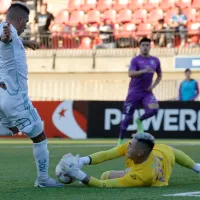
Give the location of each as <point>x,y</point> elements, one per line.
<point>18,111</point>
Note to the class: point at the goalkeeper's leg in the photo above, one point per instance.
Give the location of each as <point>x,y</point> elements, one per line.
<point>112,175</point>
<point>185,161</point>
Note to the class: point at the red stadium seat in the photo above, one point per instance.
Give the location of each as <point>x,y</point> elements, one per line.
<point>155,15</point>
<point>170,13</point>
<point>190,13</point>
<point>196,4</point>
<point>167,4</point>
<point>139,16</point>
<point>103,5</point>
<point>93,16</point>
<point>74,5</point>
<point>62,17</point>
<point>128,30</point>
<point>197,17</point>
<point>193,28</point>
<point>110,14</point>
<point>88,5</point>
<point>76,17</point>
<point>136,4</point>
<point>4,5</point>
<point>124,16</point>
<point>144,29</point>
<point>151,4</point>
<point>86,43</point>
<point>184,3</point>
<point>194,32</point>
<point>120,4</point>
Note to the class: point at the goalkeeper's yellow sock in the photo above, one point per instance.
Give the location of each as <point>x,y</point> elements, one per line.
<point>184,160</point>
<point>105,175</point>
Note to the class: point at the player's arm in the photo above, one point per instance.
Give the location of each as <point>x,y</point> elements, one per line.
<point>134,74</point>
<point>71,166</point>
<point>134,71</point>
<point>184,20</point>
<point>159,76</point>
<point>157,81</point>
<point>32,44</point>
<point>25,43</point>
<point>103,156</point>
<point>129,180</point>
<point>111,154</point>
<point>51,22</point>
<point>179,93</point>
<point>6,36</point>
<point>196,90</point>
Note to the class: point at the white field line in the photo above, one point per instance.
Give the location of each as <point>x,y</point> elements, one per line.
<point>188,194</point>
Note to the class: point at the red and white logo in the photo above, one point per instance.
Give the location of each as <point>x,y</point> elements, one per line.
<point>65,119</point>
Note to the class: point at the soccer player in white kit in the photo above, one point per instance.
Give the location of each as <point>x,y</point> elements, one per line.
<point>17,113</point>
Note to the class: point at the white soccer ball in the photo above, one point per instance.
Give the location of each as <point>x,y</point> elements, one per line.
<point>62,176</point>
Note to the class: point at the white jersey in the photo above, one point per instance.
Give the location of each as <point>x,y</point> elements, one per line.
<point>13,64</point>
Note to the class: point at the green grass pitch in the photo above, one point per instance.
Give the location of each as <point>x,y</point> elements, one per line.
<point>18,173</point>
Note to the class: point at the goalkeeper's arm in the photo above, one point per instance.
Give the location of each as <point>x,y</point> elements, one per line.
<point>102,156</point>
<point>129,180</point>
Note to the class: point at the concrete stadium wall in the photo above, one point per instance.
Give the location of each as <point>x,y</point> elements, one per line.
<point>104,61</point>
<point>93,86</point>
<point>59,75</point>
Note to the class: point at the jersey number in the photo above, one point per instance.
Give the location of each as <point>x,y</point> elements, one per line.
<point>160,174</point>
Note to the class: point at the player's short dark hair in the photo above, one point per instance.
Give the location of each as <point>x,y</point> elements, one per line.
<point>148,143</point>
<point>145,138</point>
<point>19,5</point>
<point>188,70</point>
<point>144,39</point>
<point>44,4</point>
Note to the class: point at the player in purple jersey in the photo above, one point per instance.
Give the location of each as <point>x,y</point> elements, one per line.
<point>141,72</point>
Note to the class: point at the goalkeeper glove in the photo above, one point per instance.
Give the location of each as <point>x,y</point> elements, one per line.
<point>71,165</point>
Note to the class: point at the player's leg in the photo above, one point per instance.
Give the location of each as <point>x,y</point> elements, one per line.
<point>112,175</point>
<point>4,131</point>
<point>185,161</point>
<point>151,107</point>
<point>4,123</point>
<point>128,111</point>
<point>24,118</point>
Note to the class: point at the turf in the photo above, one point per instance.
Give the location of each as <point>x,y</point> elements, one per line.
<point>18,173</point>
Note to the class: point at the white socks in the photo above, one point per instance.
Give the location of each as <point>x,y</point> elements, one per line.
<point>4,131</point>
<point>41,155</point>
<point>196,167</point>
<point>84,160</point>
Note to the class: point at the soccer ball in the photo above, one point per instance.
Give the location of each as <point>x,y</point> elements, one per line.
<point>62,176</point>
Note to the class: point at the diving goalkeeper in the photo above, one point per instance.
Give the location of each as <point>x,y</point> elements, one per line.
<point>147,164</point>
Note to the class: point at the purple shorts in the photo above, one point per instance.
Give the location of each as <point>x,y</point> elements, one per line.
<point>135,99</point>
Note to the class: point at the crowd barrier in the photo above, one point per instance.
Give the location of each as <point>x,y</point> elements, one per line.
<point>120,39</point>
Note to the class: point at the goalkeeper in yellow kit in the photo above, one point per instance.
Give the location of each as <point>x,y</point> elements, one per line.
<point>147,164</point>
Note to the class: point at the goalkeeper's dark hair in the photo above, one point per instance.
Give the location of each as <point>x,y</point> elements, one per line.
<point>144,39</point>
<point>145,138</point>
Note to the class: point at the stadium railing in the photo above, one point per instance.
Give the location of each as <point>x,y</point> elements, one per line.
<point>89,40</point>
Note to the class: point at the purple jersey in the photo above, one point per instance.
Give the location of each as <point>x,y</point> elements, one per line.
<point>144,81</point>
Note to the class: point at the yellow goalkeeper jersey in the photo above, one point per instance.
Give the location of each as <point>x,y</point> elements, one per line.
<point>155,171</point>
